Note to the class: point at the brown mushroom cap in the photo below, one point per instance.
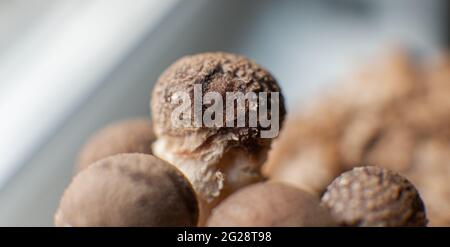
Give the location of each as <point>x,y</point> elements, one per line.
<point>217,72</point>
<point>129,136</point>
<point>200,152</point>
<point>128,190</point>
<point>373,196</point>
<point>270,204</point>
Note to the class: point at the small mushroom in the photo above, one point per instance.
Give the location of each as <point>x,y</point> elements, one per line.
<point>219,159</point>
<point>129,136</point>
<point>270,204</point>
<point>373,196</point>
<point>128,190</point>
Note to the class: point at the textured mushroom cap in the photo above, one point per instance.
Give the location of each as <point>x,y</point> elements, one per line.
<point>128,190</point>
<point>216,72</point>
<point>129,136</point>
<point>198,151</point>
<point>270,204</point>
<point>373,196</point>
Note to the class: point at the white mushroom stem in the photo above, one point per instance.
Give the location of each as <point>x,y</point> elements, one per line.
<point>212,171</point>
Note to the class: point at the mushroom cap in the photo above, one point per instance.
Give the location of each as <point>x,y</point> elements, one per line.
<point>270,204</point>
<point>374,196</point>
<point>128,190</point>
<point>198,151</point>
<point>217,72</point>
<point>128,136</point>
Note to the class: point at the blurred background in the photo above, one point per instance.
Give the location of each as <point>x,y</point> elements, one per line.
<point>69,67</point>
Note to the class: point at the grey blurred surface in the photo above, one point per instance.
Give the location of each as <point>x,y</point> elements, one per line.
<point>305,44</point>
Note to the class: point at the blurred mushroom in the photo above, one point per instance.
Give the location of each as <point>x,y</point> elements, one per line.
<point>129,136</point>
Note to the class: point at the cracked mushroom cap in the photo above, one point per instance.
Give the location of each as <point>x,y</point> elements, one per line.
<point>128,136</point>
<point>270,204</point>
<point>373,196</point>
<point>128,190</point>
<point>198,151</point>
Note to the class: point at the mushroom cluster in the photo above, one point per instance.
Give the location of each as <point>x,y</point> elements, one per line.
<point>217,159</point>
<point>134,165</point>
<point>393,113</point>
<point>173,170</point>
